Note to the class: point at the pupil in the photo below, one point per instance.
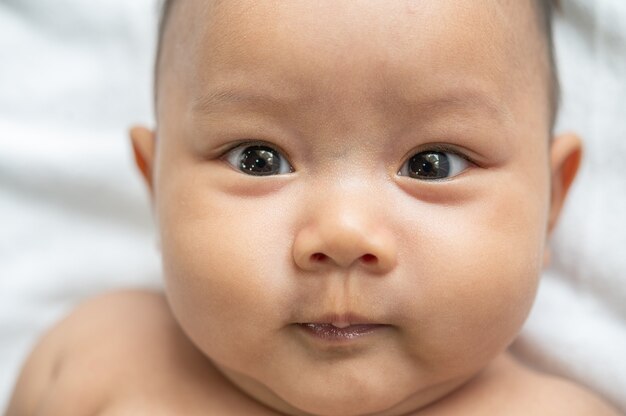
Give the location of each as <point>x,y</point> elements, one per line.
<point>429,165</point>
<point>260,161</point>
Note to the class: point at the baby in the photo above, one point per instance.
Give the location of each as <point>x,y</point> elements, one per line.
<point>353,201</point>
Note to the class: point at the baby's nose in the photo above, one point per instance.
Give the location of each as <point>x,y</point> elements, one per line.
<point>345,236</point>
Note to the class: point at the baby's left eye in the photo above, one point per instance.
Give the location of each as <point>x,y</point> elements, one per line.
<point>258,160</point>
<point>433,165</point>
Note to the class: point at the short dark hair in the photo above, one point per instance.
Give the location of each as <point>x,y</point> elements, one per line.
<point>545,9</point>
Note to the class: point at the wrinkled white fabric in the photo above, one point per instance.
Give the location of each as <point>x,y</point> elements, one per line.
<point>74,218</point>
<point>75,221</point>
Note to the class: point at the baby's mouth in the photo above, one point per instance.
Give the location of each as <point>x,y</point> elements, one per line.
<point>339,331</point>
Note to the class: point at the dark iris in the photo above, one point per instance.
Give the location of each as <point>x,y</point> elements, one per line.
<point>260,161</point>
<point>429,165</point>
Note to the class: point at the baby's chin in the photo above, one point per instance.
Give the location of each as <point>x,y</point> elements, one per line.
<point>338,399</point>
<point>331,393</point>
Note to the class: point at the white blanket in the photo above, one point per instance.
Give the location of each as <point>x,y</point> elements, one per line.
<point>74,220</point>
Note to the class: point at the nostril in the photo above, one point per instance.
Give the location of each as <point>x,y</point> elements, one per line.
<point>321,258</point>
<point>369,258</point>
<point>318,257</point>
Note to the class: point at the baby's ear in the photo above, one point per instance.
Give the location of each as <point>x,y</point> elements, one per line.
<point>144,146</point>
<point>565,156</point>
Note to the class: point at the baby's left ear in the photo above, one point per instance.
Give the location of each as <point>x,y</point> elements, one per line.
<point>144,146</point>
<point>565,157</point>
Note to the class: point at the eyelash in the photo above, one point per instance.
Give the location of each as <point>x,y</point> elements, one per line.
<point>248,143</point>
<point>444,148</point>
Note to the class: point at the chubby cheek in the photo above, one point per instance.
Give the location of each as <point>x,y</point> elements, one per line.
<point>476,278</point>
<point>222,264</point>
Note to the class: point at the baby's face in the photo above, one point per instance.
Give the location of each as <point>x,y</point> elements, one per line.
<point>382,163</point>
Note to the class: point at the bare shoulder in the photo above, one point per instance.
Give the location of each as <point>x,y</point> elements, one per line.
<point>558,396</point>
<point>92,349</point>
<point>525,391</point>
<point>507,387</point>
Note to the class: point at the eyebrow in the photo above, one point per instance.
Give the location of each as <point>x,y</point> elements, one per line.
<point>461,99</point>
<point>465,99</point>
<point>210,102</point>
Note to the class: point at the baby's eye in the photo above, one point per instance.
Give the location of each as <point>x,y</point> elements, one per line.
<point>432,165</point>
<point>258,160</point>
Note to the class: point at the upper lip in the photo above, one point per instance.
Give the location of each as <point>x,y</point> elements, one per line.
<point>343,319</point>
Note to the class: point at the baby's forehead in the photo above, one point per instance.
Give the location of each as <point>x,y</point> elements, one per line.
<point>296,37</point>
<point>542,11</point>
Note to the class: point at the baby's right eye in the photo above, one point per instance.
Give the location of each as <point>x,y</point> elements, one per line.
<point>258,160</point>
<point>432,165</point>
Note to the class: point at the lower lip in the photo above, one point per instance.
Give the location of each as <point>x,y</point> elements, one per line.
<point>332,333</point>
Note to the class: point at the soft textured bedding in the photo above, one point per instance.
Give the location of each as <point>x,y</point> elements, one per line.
<point>74,220</point>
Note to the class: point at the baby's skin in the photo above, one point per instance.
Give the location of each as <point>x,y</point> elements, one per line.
<point>124,354</point>
<point>353,200</point>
